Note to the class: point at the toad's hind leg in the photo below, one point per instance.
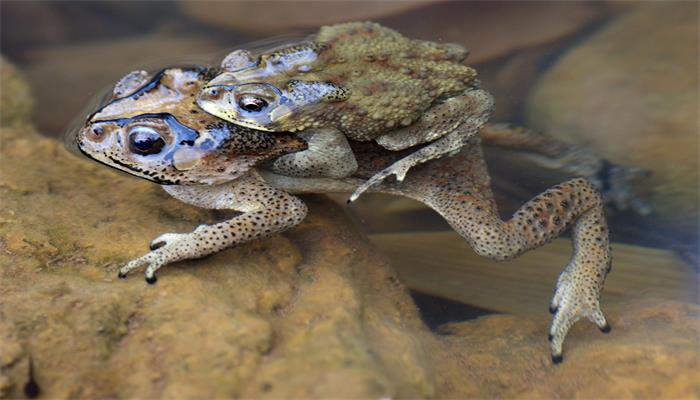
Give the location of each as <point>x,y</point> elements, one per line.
<point>458,188</point>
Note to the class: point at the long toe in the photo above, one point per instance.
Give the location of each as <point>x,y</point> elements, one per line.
<point>599,319</point>
<point>560,327</point>
<point>361,189</point>
<point>557,358</point>
<point>156,245</point>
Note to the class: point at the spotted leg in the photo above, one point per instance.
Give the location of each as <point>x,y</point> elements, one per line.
<point>475,107</point>
<point>458,188</point>
<point>265,211</point>
<point>613,180</point>
<point>578,288</point>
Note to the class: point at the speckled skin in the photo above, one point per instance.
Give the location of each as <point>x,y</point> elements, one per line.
<point>265,211</point>
<point>360,77</point>
<point>196,148</point>
<point>457,187</point>
<point>371,83</point>
<point>366,80</point>
<point>198,159</point>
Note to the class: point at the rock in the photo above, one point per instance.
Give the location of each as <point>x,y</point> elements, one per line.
<point>650,353</point>
<point>628,91</point>
<point>15,97</point>
<point>113,19</point>
<point>420,265</point>
<point>510,79</point>
<point>315,315</point>
<point>275,17</point>
<point>66,79</point>
<point>491,30</point>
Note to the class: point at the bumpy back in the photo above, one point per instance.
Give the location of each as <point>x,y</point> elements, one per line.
<point>359,77</point>
<point>392,79</point>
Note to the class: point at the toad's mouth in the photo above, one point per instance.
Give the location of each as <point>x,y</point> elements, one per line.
<point>138,172</point>
<point>123,167</point>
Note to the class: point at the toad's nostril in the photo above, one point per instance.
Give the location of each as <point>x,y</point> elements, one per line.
<point>98,131</point>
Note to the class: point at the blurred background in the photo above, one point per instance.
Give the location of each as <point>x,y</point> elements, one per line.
<point>70,50</point>
<point>620,77</point>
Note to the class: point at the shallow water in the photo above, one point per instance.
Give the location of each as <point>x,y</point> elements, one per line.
<point>574,70</point>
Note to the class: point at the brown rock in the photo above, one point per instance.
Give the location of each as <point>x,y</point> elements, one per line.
<point>66,79</point>
<point>511,78</point>
<point>491,30</point>
<point>314,316</point>
<point>312,313</point>
<point>630,92</point>
<point>15,97</point>
<point>651,353</point>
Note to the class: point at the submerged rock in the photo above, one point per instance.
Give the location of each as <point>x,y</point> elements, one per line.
<point>631,93</point>
<point>494,29</point>
<point>650,353</point>
<point>316,315</point>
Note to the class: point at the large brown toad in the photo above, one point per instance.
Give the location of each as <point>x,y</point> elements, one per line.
<point>365,80</point>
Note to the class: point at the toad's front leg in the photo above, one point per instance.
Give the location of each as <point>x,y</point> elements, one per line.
<point>328,155</point>
<point>265,211</point>
<point>447,127</point>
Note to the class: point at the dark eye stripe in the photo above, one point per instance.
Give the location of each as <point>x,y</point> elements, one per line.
<point>183,132</point>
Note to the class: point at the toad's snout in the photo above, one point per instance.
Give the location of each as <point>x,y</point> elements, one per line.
<point>212,93</point>
<point>217,100</point>
<point>95,137</point>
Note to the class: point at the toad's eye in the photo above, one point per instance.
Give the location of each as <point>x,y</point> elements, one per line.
<point>252,103</point>
<point>144,141</point>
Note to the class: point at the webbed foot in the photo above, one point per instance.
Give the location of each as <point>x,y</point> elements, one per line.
<point>166,248</point>
<point>573,299</point>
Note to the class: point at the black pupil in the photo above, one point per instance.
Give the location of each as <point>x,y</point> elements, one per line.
<point>253,104</point>
<point>146,141</point>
